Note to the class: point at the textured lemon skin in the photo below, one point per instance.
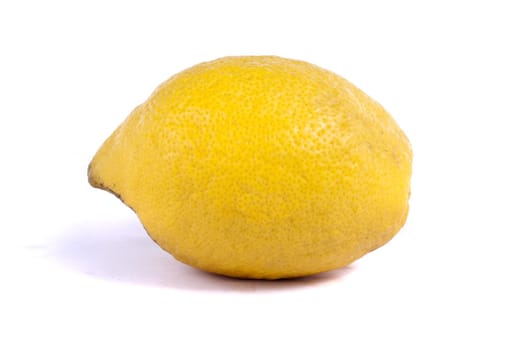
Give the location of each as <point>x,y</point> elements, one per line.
<point>260,167</point>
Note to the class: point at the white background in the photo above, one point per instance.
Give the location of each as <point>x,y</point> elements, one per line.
<point>77,269</point>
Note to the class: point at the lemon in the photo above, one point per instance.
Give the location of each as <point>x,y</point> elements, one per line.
<point>260,167</point>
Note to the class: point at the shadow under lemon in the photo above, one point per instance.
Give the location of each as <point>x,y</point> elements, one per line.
<point>123,252</point>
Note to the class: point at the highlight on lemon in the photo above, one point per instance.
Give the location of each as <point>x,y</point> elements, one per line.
<point>260,167</point>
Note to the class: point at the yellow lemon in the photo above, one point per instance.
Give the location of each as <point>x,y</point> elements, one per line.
<point>260,167</point>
